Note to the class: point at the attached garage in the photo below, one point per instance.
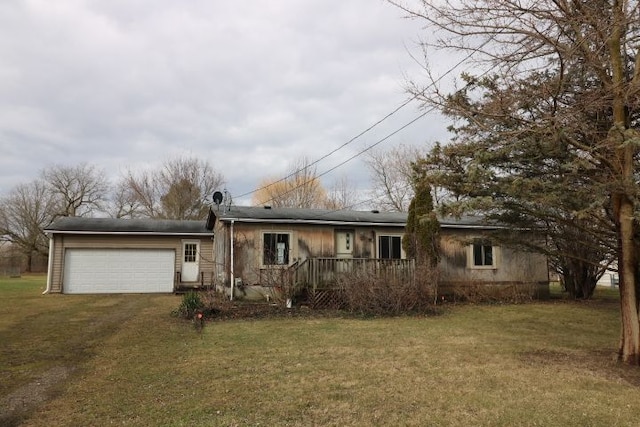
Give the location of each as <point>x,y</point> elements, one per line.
<point>99,271</point>
<point>108,255</point>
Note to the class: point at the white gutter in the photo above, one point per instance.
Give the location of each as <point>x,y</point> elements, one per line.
<point>231,263</point>
<point>49,266</point>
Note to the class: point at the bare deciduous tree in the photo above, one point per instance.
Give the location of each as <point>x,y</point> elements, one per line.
<point>124,203</point>
<point>342,194</point>
<point>79,190</point>
<point>392,177</point>
<point>301,188</point>
<point>177,190</point>
<point>142,191</point>
<point>24,213</point>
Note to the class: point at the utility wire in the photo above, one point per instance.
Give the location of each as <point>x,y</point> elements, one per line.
<point>404,104</point>
<point>358,154</point>
<point>371,127</point>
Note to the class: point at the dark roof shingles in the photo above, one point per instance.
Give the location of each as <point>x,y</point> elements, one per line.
<point>119,225</point>
<point>321,215</point>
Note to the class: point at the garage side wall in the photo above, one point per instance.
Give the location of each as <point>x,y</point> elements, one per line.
<point>62,242</point>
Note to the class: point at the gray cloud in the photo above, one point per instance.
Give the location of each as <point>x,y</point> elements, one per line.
<point>248,85</point>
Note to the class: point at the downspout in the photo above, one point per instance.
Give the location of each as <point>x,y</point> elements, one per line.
<point>231,263</point>
<point>49,265</point>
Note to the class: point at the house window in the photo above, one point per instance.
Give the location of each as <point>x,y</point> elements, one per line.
<point>483,254</point>
<point>390,247</point>
<point>275,249</point>
<point>190,251</point>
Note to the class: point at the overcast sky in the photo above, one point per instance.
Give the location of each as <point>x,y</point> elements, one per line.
<point>249,85</point>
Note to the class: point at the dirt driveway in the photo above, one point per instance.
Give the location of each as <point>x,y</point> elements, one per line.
<point>46,340</point>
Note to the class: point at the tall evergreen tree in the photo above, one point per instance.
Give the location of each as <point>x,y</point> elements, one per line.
<point>517,176</point>
<point>584,59</point>
<point>422,231</point>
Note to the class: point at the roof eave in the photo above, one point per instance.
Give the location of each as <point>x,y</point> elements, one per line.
<point>351,223</point>
<point>130,233</point>
<point>311,221</point>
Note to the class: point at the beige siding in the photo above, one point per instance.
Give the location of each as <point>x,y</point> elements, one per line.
<point>66,241</point>
<point>307,241</point>
<point>513,267</point>
<point>57,266</point>
<point>220,253</point>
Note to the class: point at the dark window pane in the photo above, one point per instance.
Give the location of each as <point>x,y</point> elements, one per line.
<point>477,254</point>
<point>383,245</point>
<point>488,255</point>
<point>269,246</point>
<point>396,249</point>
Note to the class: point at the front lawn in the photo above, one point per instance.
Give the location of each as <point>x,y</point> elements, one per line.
<point>102,360</point>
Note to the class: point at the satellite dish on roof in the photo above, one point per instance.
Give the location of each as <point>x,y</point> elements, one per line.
<point>217,198</point>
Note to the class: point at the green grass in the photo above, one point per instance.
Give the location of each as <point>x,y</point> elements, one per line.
<point>126,361</point>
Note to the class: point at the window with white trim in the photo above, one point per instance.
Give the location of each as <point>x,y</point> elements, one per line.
<point>275,248</point>
<point>390,247</point>
<point>483,254</point>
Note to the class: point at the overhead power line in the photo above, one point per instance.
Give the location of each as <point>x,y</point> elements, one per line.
<point>315,162</point>
<point>404,104</point>
<point>359,153</point>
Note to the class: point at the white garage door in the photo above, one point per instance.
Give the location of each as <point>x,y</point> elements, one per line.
<point>99,271</point>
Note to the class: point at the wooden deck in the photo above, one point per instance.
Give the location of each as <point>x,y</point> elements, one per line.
<point>322,273</point>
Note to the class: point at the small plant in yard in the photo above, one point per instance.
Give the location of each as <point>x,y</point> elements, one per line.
<point>191,303</point>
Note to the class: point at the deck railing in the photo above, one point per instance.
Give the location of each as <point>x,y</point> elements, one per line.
<point>317,273</point>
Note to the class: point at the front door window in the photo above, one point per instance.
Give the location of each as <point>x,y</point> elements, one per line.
<point>344,244</point>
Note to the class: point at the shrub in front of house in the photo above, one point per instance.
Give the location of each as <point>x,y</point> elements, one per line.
<point>377,293</point>
<point>482,292</point>
<point>191,303</point>
<point>201,305</point>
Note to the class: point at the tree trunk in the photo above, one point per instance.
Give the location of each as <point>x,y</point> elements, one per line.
<point>29,261</point>
<point>623,196</point>
<point>629,351</point>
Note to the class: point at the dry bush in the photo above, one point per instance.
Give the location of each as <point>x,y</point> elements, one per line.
<point>215,304</point>
<point>379,293</point>
<point>479,292</point>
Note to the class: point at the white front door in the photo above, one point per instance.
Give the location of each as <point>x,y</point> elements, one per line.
<point>344,250</point>
<point>344,244</point>
<point>190,261</point>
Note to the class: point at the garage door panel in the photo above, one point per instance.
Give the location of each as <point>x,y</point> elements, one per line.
<point>118,270</point>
